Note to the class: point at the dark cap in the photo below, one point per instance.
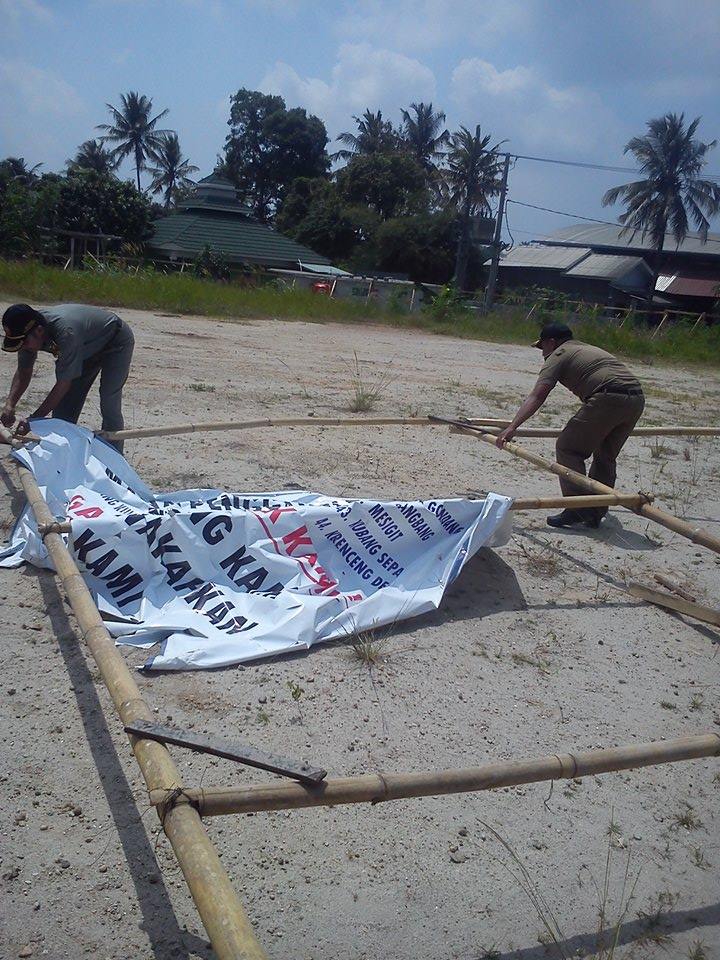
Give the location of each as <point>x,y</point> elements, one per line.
<point>18,320</point>
<point>554,331</point>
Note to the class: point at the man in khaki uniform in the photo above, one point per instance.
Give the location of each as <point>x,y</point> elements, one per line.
<point>612,401</point>
<point>85,342</point>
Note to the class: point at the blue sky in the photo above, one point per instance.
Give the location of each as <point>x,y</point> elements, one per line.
<point>559,79</point>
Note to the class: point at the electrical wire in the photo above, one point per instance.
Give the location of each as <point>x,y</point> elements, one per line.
<point>578,216</point>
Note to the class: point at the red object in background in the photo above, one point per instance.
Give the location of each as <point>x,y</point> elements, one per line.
<point>321,287</point>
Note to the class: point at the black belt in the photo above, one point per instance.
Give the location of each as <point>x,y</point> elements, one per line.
<point>620,391</point>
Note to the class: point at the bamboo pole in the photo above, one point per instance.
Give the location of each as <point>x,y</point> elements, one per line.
<point>578,503</point>
<point>255,424</point>
<point>669,431</point>
<point>678,604</point>
<point>220,909</point>
<point>374,788</point>
<point>181,428</point>
<point>520,503</point>
<point>695,534</point>
<point>674,588</point>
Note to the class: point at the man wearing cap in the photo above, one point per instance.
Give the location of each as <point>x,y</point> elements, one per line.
<point>85,341</point>
<point>612,401</point>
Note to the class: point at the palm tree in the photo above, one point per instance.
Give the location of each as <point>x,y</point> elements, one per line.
<point>15,168</point>
<point>472,177</point>
<point>423,134</point>
<point>172,172</point>
<point>92,155</point>
<point>374,135</point>
<point>672,193</point>
<point>133,130</point>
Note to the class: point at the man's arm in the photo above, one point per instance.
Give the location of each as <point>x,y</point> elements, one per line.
<point>47,406</point>
<point>20,382</point>
<point>530,405</point>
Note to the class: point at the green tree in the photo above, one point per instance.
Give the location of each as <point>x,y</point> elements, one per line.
<point>672,193</point>
<point>92,155</point>
<point>27,214</point>
<point>269,147</point>
<point>171,173</point>
<point>316,215</point>
<point>391,184</point>
<point>16,169</point>
<point>424,134</point>
<point>423,246</point>
<point>472,177</point>
<point>96,203</point>
<point>374,136</point>
<point>133,130</point>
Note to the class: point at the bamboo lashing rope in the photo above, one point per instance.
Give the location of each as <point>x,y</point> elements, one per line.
<point>695,534</point>
<point>375,788</point>
<point>220,909</point>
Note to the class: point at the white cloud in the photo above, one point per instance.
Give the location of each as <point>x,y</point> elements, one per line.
<point>39,91</point>
<point>39,114</point>
<point>419,25</point>
<point>15,9</point>
<point>519,104</point>
<point>363,77</point>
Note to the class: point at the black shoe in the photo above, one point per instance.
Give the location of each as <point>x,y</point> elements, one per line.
<point>568,518</point>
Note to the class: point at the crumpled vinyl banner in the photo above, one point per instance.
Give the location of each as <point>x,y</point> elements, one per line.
<point>223,578</point>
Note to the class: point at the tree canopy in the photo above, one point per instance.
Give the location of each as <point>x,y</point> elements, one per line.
<point>672,193</point>
<point>269,147</point>
<point>133,130</point>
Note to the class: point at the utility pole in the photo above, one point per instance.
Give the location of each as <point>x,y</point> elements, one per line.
<point>496,244</point>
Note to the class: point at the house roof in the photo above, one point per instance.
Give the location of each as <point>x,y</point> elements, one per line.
<point>237,238</point>
<point>688,286</point>
<point>608,235</point>
<point>606,266</point>
<point>544,258</point>
<point>213,216</point>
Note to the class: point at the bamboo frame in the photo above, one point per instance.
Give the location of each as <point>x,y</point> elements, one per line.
<point>180,809</point>
<point>695,534</point>
<point>670,431</point>
<point>376,787</point>
<point>220,909</point>
<point>678,604</point>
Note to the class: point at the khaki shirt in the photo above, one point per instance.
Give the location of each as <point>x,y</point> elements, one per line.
<point>583,369</point>
<point>75,333</point>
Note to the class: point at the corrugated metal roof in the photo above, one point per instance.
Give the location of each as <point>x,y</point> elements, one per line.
<point>607,266</point>
<point>693,286</point>
<point>546,258</point>
<point>238,238</point>
<point>602,235</point>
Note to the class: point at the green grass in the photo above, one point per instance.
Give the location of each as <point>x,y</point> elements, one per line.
<point>181,293</point>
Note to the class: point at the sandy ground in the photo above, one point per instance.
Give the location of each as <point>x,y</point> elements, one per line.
<point>535,651</point>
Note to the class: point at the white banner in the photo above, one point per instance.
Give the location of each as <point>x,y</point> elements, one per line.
<point>222,578</point>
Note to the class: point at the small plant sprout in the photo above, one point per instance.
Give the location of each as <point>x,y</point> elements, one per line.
<point>687,819</point>
<point>540,561</point>
<point>697,951</point>
<point>699,859</point>
<point>296,692</point>
<point>697,701</point>
<point>365,394</point>
<point>658,449</point>
<point>202,387</point>
<point>369,648</point>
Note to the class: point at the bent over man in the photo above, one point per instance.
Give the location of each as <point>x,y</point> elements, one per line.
<point>85,341</point>
<point>612,401</point>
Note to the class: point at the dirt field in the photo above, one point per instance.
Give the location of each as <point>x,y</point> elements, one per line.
<point>536,650</point>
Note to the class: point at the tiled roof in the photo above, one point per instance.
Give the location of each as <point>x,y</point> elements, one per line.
<point>607,266</point>
<point>237,237</point>
<point>544,258</point>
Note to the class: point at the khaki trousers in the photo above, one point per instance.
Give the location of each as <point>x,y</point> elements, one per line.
<point>599,429</point>
<point>113,365</point>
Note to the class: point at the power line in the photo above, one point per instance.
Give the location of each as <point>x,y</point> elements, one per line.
<point>587,165</point>
<point>578,216</point>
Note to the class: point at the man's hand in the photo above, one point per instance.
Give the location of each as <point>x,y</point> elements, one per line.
<point>7,417</point>
<point>22,427</point>
<point>507,434</point>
